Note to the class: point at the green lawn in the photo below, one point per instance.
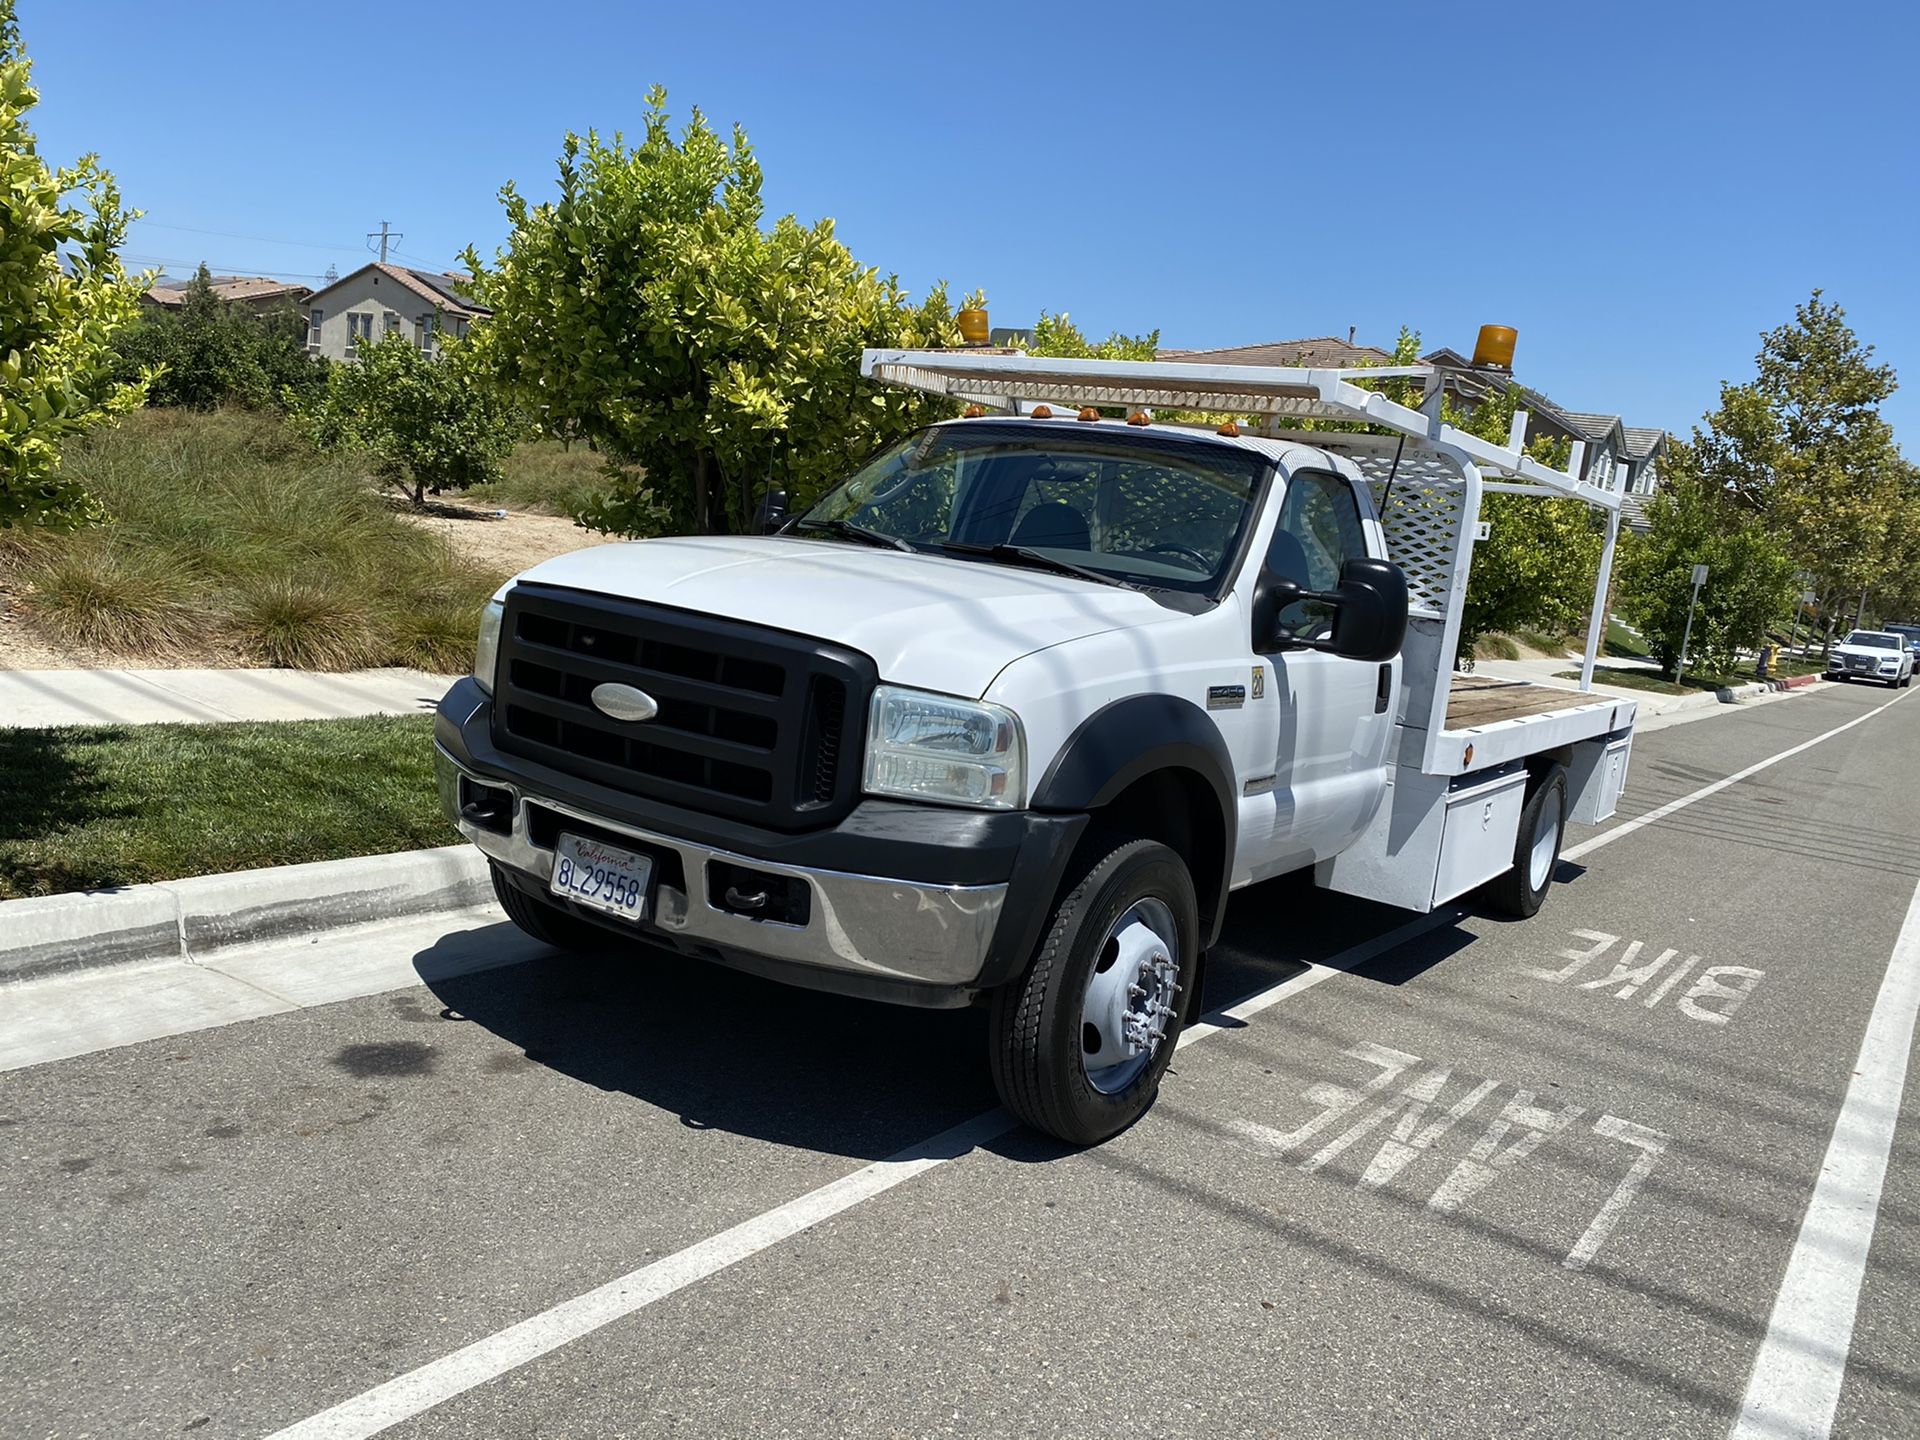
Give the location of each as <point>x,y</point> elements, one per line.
<point>1635,679</point>
<point>93,806</point>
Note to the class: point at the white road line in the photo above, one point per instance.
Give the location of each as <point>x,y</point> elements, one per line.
<point>440,1380</point>
<point>1653,816</point>
<point>1795,1384</point>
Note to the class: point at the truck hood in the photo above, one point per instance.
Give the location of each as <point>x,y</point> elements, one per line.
<point>926,620</point>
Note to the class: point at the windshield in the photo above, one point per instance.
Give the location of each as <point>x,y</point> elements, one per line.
<point>1909,633</point>
<point>1876,640</point>
<point>1126,507</point>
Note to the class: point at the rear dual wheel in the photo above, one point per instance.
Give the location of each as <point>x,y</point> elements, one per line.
<point>1081,1039</point>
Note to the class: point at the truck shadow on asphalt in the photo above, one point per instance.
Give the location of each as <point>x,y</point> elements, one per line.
<point>728,1051</point>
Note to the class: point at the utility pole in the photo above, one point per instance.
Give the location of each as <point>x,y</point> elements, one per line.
<point>384,235</point>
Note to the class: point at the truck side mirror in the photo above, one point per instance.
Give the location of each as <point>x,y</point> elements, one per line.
<point>772,514</point>
<point>1369,610</point>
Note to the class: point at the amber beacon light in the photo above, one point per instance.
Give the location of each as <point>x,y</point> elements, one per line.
<point>1495,346</point>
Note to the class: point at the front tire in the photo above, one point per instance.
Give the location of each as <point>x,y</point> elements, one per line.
<point>1081,1039</point>
<point>546,922</point>
<point>1521,891</point>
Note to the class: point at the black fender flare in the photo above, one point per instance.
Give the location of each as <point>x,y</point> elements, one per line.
<point>1139,736</point>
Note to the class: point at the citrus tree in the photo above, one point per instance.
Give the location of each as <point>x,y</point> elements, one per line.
<point>63,294</point>
<point>425,423</point>
<point>650,311</point>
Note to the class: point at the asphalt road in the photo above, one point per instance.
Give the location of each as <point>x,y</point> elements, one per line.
<point>1493,1179</point>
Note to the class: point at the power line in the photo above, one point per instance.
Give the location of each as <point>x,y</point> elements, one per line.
<point>218,266</point>
<point>235,235</point>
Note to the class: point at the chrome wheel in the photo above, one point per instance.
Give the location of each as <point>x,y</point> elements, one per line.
<point>1130,997</point>
<point>1546,842</point>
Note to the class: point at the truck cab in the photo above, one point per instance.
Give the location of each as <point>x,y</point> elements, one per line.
<point>1006,715</point>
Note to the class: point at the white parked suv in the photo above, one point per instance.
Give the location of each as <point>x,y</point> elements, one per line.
<point>1872,655</point>
<point>1006,716</point>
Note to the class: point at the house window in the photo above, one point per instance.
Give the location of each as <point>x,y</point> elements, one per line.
<point>393,324</point>
<point>314,317</point>
<point>424,328</point>
<point>359,328</point>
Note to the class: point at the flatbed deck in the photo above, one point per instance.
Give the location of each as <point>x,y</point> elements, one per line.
<point>1477,700</point>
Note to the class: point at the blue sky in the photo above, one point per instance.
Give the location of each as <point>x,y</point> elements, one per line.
<point>1640,189</point>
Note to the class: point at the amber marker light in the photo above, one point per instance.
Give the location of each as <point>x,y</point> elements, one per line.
<point>1087,412</point>
<point>1495,346</point>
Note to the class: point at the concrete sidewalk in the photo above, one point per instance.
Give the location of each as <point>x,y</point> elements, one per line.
<point>1652,703</point>
<point>32,698</point>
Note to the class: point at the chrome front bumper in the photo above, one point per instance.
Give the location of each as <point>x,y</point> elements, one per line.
<point>867,925</point>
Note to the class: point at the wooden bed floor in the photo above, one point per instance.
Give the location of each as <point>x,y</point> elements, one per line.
<point>1476,700</point>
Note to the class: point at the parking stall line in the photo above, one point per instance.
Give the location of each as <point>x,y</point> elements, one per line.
<point>1797,1374</point>
<point>1586,847</point>
<point>438,1381</point>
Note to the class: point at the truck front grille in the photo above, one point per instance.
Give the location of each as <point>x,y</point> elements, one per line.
<point>752,723</point>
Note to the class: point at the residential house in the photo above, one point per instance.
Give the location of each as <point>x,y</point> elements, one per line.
<point>1608,439</point>
<point>379,300</point>
<point>257,293</point>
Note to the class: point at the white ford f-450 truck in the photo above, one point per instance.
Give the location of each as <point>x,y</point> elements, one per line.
<point>1007,715</point>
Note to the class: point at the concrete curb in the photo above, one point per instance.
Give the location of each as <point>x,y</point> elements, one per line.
<point>190,919</point>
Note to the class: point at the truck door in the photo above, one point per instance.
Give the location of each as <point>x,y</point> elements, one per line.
<point>1335,714</point>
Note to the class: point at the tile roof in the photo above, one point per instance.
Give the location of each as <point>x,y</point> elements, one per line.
<point>1321,352</point>
<point>1633,512</point>
<point>444,290</point>
<point>1594,427</point>
<point>227,287</point>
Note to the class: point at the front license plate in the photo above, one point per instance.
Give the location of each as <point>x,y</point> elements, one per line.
<point>601,876</point>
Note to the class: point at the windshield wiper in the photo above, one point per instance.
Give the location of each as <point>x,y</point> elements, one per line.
<point>847,530</point>
<point>1036,560</point>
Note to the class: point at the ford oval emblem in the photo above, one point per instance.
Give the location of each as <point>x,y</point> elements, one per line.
<point>623,702</point>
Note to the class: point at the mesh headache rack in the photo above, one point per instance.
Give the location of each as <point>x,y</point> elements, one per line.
<point>1427,476</point>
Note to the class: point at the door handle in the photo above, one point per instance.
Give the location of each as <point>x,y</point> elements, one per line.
<point>1383,694</point>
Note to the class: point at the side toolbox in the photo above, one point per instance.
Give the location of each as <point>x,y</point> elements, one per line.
<point>1597,775</point>
<point>1433,839</point>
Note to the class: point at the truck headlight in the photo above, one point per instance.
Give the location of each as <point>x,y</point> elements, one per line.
<point>922,746</point>
<point>486,652</point>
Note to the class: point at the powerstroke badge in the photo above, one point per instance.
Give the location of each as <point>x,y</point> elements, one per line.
<point>1226,697</point>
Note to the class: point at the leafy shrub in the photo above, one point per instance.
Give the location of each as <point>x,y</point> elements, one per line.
<point>212,352</point>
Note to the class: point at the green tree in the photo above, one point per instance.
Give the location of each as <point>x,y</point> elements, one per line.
<point>212,352</point>
<point>63,294</point>
<point>1803,448</point>
<point>648,311</point>
<point>1536,568</point>
<point>427,424</point>
<point>1750,576</point>
<point>1058,337</point>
